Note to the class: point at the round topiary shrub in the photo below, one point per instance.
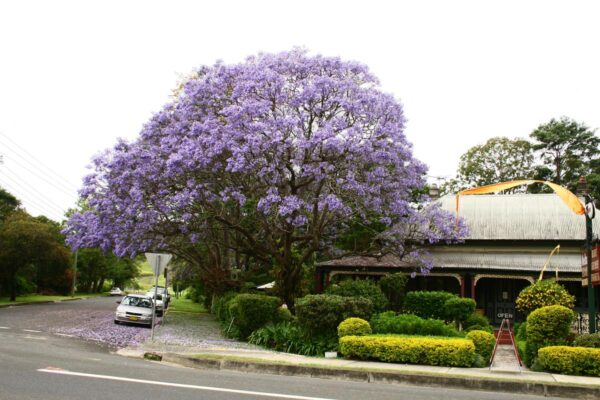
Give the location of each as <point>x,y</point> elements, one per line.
<point>360,288</point>
<point>547,326</point>
<point>484,344</point>
<point>544,293</point>
<point>354,327</point>
<point>459,309</point>
<point>477,322</point>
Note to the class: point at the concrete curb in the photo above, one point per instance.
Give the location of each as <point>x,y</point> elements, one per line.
<point>38,302</point>
<point>369,376</point>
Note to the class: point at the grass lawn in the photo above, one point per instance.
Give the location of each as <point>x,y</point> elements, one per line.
<point>185,305</point>
<point>34,298</point>
<point>146,278</point>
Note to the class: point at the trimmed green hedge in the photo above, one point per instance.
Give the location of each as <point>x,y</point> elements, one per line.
<point>410,350</point>
<point>547,326</point>
<point>588,340</point>
<point>394,288</point>
<point>320,314</point>
<point>354,327</point>
<point>459,309</point>
<point>427,304</point>
<point>484,344</point>
<point>252,311</point>
<point>360,288</point>
<point>408,324</point>
<point>570,360</point>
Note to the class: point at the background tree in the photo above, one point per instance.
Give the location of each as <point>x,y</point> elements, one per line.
<point>269,158</point>
<point>8,203</point>
<point>568,150</point>
<point>500,159</point>
<point>25,242</point>
<point>94,267</point>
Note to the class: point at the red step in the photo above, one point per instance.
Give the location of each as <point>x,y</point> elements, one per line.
<point>504,337</point>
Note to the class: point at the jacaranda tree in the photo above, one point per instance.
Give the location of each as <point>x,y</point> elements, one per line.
<point>267,158</point>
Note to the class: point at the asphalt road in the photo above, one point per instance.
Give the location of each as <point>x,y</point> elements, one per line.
<point>36,364</point>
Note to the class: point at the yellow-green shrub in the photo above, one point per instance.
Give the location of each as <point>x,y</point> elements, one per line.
<point>570,360</point>
<point>484,343</point>
<point>411,350</point>
<point>353,327</point>
<point>547,326</point>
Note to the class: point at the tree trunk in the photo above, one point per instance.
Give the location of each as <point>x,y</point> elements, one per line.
<point>289,285</point>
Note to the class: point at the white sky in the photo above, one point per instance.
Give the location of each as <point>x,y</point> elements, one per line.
<point>76,75</point>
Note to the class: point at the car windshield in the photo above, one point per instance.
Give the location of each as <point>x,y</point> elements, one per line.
<point>137,302</point>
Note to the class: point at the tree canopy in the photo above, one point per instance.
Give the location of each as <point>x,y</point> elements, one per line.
<point>266,159</point>
<point>568,150</point>
<point>27,241</point>
<point>500,159</point>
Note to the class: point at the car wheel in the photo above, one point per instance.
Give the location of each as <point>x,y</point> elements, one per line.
<point>116,322</point>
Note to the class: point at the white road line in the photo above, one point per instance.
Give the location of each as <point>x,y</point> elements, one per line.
<point>64,334</point>
<point>4,327</point>
<point>179,385</point>
<point>31,330</point>
<point>36,337</point>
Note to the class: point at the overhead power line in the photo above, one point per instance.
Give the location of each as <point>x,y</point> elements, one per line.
<point>32,191</point>
<point>42,168</point>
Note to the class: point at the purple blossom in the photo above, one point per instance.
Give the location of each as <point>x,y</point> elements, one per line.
<point>298,144</point>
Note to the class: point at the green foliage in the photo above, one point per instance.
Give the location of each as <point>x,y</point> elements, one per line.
<point>410,350</point>
<point>284,315</point>
<point>408,324</point>
<point>252,311</point>
<point>320,314</point>
<point>360,288</point>
<point>459,309</point>
<point>570,360</point>
<point>220,307</point>
<point>588,340</point>
<point>427,304</point>
<point>500,159</point>
<point>477,322</point>
<point>353,327</point>
<point>393,287</point>
<point>484,343</point>
<point>547,326</point>
<point>522,332</point>
<point>568,150</point>
<point>8,203</point>
<point>543,293</point>
<point>290,338</point>
<point>28,243</point>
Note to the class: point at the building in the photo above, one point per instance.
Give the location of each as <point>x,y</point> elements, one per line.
<point>510,239</point>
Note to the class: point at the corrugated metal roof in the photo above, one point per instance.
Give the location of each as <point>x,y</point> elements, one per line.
<point>569,262</point>
<point>519,217</point>
<point>483,259</point>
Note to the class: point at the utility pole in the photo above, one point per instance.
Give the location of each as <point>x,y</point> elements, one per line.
<point>590,213</point>
<point>74,274</point>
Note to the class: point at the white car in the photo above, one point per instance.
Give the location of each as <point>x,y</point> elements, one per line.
<point>116,292</point>
<point>159,303</point>
<point>134,308</point>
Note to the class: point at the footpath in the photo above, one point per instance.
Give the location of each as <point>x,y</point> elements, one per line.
<point>196,343</point>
